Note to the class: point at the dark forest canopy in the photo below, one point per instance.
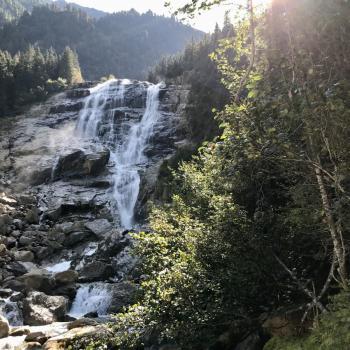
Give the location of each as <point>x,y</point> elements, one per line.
<point>125,44</point>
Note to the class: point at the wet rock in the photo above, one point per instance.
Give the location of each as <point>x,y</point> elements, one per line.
<point>123,294</point>
<point>78,93</point>
<point>24,255</point>
<point>31,346</point>
<point>83,322</point>
<point>37,280</point>
<point>96,271</point>
<point>32,216</point>
<point>5,293</point>
<point>3,250</point>
<point>41,175</point>
<point>41,309</point>
<point>77,163</point>
<point>16,268</point>
<point>4,327</point>
<point>99,227</point>
<point>5,223</point>
<point>37,337</point>
<point>67,107</point>
<point>75,238</point>
<point>19,331</point>
<point>66,277</point>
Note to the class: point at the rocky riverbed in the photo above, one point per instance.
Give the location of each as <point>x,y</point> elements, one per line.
<point>65,187</point>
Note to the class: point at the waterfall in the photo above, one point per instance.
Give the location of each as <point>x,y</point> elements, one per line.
<point>10,310</point>
<point>95,106</point>
<point>94,297</point>
<point>129,156</point>
<point>127,148</point>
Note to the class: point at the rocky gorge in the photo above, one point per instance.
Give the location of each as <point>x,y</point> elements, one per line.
<point>76,175</point>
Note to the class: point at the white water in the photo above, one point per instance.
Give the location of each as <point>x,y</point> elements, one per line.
<point>59,267</point>
<point>129,156</point>
<point>11,312</point>
<point>94,108</point>
<point>93,297</point>
<point>127,153</point>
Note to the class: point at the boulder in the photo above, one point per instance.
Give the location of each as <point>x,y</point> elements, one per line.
<point>19,331</point>
<point>96,271</point>
<point>24,256</point>
<point>4,327</point>
<point>38,279</point>
<point>30,346</point>
<point>99,227</point>
<point>83,322</point>
<point>287,324</point>
<point>3,250</point>
<point>38,337</point>
<point>32,216</point>
<point>66,277</point>
<point>41,309</point>
<point>5,222</point>
<point>77,163</point>
<point>123,294</point>
<point>61,342</point>
<point>76,237</point>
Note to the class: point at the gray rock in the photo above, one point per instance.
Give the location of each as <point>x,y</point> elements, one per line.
<point>75,238</point>
<point>24,256</point>
<point>41,309</point>
<point>5,223</point>
<point>38,337</point>
<point>4,327</point>
<point>37,280</point>
<point>83,322</point>
<point>96,271</point>
<point>19,331</point>
<point>99,227</point>
<point>32,216</point>
<point>66,277</point>
<point>123,294</point>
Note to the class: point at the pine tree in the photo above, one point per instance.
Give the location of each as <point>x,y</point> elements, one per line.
<point>69,67</point>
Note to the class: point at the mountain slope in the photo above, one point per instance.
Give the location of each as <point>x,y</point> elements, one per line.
<point>125,44</point>
<point>12,9</point>
<point>91,12</point>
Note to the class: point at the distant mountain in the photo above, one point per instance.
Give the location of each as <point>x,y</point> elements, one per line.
<point>13,9</point>
<point>125,44</point>
<point>89,11</point>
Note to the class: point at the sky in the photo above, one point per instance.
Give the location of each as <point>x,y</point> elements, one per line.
<point>205,22</point>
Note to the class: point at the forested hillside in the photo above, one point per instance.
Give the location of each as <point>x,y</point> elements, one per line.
<point>125,44</point>
<point>13,9</point>
<point>33,75</point>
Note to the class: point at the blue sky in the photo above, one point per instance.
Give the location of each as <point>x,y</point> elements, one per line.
<point>205,22</point>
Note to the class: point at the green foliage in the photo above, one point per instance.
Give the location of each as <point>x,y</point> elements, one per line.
<point>31,75</point>
<point>332,332</point>
<point>13,9</point>
<point>69,68</point>
<point>256,192</point>
<point>125,44</point>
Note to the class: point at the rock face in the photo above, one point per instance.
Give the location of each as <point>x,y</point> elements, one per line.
<point>41,309</point>
<point>60,229</point>
<point>4,327</point>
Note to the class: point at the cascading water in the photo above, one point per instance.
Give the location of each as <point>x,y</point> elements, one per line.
<point>95,106</point>
<point>127,138</point>
<point>94,297</point>
<point>10,310</point>
<point>127,152</point>
<point>129,157</point>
